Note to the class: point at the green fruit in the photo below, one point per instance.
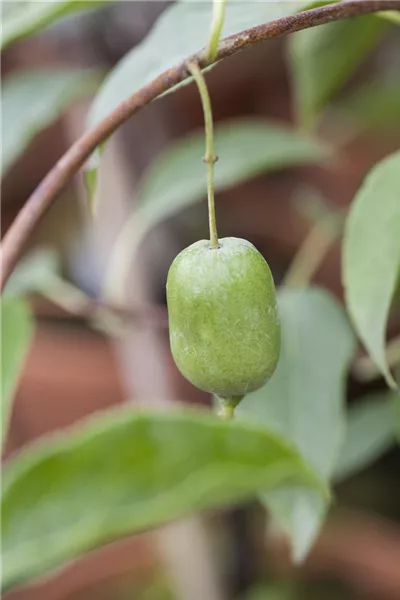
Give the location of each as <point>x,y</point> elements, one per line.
<point>223,317</point>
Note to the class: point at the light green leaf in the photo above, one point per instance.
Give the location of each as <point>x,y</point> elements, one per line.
<point>34,273</point>
<point>16,334</point>
<point>33,100</point>
<point>323,58</point>
<point>391,15</point>
<point>127,471</point>
<point>177,179</point>
<point>22,18</point>
<point>304,401</point>
<point>374,105</point>
<point>370,433</point>
<point>371,256</point>
<point>181,30</point>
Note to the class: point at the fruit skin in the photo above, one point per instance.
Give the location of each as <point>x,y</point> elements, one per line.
<point>223,317</point>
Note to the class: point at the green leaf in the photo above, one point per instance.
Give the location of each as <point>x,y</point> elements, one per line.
<point>22,18</point>
<point>323,58</point>
<point>396,401</point>
<point>391,15</point>
<point>90,175</point>
<point>370,433</point>
<point>16,334</point>
<point>374,105</point>
<point>34,273</point>
<point>127,471</point>
<point>181,30</point>
<point>270,591</point>
<point>33,100</point>
<point>371,256</point>
<point>304,402</point>
<point>177,178</point>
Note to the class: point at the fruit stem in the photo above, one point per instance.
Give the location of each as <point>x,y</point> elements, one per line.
<point>217,22</point>
<point>226,406</point>
<point>209,157</point>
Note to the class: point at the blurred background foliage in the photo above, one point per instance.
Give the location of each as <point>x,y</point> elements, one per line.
<point>299,123</point>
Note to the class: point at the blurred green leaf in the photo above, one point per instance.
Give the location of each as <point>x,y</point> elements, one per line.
<point>177,178</point>
<point>158,588</point>
<point>396,403</point>
<point>16,334</point>
<point>126,471</point>
<point>90,175</point>
<point>371,256</point>
<point>163,48</point>
<point>304,402</point>
<point>391,15</point>
<point>370,433</point>
<point>271,591</point>
<point>247,148</point>
<point>22,18</point>
<point>374,105</point>
<point>33,100</point>
<point>324,57</point>
<point>34,273</point>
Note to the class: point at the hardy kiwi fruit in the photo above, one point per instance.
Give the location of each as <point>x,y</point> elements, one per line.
<point>223,317</point>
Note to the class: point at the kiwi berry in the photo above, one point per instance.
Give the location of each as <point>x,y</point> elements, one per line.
<point>223,317</point>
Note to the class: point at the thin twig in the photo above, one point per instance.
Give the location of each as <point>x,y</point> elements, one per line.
<point>76,302</point>
<point>313,251</point>
<point>45,194</point>
<point>149,315</point>
<point>365,370</point>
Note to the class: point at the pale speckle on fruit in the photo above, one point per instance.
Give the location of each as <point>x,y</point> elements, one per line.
<point>224,323</point>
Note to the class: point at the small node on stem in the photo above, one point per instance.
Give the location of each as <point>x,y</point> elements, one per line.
<point>210,160</point>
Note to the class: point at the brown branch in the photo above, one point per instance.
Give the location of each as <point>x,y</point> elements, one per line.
<point>45,194</point>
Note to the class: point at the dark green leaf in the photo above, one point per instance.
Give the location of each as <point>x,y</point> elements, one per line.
<point>304,401</point>
<point>16,334</point>
<point>180,31</point>
<point>32,100</point>
<point>126,471</point>
<point>177,179</point>
<point>371,256</point>
<point>370,433</point>
<point>324,57</point>
<point>22,18</point>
